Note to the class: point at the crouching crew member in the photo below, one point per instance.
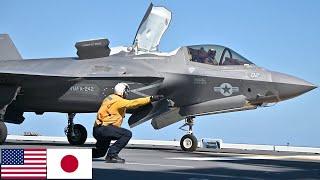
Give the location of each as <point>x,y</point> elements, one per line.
<point>110,116</point>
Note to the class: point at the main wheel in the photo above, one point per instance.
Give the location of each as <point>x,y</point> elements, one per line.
<point>3,132</point>
<point>80,135</point>
<point>189,143</point>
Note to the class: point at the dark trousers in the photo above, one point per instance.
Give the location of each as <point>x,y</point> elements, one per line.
<point>104,135</point>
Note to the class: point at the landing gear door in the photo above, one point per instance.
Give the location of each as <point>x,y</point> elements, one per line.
<point>153,25</point>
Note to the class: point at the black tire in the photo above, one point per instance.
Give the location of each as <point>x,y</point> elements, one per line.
<point>3,132</point>
<point>189,143</point>
<point>80,135</point>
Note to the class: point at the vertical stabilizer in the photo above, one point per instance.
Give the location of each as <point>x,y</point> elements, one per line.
<point>8,50</point>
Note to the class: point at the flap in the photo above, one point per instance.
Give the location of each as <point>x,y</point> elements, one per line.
<point>153,25</point>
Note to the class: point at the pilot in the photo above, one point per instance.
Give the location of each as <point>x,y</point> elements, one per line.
<point>202,55</point>
<point>211,59</point>
<point>110,116</point>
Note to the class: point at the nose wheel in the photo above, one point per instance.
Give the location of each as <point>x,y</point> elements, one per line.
<point>76,133</point>
<point>188,142</point>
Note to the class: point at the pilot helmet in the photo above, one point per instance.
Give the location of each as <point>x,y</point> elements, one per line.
<point>212,51</point>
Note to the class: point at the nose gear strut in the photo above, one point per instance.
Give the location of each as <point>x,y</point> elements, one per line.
<point>188,142</point>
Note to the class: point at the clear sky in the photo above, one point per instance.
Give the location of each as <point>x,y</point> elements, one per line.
<point>278,35</point>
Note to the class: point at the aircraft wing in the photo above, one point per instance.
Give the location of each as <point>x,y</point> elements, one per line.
<point>153,25</point>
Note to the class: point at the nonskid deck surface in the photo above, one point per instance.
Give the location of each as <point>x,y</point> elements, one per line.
<point>171,163</point>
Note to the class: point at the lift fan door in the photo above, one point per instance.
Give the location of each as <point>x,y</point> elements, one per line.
<point>153,25</point>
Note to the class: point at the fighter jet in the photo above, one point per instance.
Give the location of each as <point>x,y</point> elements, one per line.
<point>196,80</point>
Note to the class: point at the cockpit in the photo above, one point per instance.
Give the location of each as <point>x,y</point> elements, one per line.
<point>215,55</point>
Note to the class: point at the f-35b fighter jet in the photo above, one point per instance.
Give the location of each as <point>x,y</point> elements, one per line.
<point>196,80</point>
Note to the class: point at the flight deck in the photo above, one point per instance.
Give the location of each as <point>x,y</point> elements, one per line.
<point>169,162</point>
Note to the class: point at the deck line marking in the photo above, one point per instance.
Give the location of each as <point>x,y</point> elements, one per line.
<point>204,174</point>
<point>162,165</point>
<point>245,157</point>
<point>206,158</point>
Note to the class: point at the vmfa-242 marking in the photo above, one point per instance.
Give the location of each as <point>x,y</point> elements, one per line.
<point>83,88</point>
<point>195,80</point>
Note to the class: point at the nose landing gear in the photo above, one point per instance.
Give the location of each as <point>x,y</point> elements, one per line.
<point>76,133</point>
<point>188,142</point>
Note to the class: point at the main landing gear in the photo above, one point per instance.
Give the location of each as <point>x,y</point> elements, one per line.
<point>3,132</point>
<point>76,133</point>
<point>3,109</point>
<point>188,142</point>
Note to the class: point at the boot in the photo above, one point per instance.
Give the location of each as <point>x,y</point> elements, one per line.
<point>114,159</point>
<point>97,153</point>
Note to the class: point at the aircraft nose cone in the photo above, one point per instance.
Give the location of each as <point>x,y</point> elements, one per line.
<point>290,86</point>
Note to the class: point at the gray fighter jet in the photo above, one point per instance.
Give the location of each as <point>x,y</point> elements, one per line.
<point>195,80</point>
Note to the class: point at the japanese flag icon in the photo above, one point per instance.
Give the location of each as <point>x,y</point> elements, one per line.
<point>69,163</point>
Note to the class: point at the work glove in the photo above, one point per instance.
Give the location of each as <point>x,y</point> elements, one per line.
<point>156,98</point>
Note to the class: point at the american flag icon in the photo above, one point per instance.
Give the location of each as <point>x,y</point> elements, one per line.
<point>23,163</point>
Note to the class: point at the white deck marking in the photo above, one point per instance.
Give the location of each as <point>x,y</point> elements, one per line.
<point>206,158</point>
<point>245,157</point>
<point>305,157</point>
<point>162,165</point>
<point>204,174</point>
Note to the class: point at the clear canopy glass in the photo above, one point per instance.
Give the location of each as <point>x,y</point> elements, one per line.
<point>216,55</point>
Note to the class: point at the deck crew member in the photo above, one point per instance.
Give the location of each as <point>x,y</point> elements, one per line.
<point>107,125</point>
